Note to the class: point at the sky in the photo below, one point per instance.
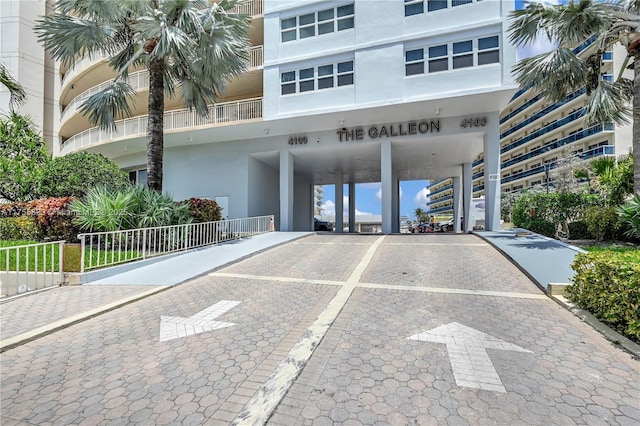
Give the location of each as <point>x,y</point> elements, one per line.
<point>413,194</point>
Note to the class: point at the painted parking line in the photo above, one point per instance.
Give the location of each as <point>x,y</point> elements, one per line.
<point>262,405</point>
<point>385,286</point>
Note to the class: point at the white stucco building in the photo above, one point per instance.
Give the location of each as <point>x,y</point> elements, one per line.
<point>338,92</point>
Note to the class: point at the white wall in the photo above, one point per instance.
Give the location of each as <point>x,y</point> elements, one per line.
<point>377,45</point>
<point>23,56</point>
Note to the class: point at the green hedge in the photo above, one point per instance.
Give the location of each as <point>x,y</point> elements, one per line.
<point>607,284</point>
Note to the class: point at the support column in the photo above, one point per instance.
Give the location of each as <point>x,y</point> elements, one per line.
<point>386,174</point>
<point>286,191</point>
<point>456,204</point>
<point>395,221</point>
<point>467,194</point>
<point>352,206</point>
<point>492,174</point>
<point>339,202</point>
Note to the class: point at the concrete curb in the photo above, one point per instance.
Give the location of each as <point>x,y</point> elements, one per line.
<point>612,335</point>
<point>23,338</point>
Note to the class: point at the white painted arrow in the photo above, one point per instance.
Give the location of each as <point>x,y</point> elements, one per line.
<point>174,327</point>
<point>471,365</point>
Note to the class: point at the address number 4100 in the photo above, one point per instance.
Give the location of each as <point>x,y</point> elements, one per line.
<point>474,122</point>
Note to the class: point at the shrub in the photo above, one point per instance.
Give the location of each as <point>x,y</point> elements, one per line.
<point>105,209</point>
<point>51,217</point>
<point>542,227</point>
<point>74,174</point>
<point>629,215</point>
<point>578,230</point>
<point>607,284</point>
<point>530,210</point>
<point>19,228</point>
<point>203,210</point>
<point>603,222</point>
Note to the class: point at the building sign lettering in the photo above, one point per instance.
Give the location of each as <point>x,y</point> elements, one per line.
<point>474,122</point>
<point>298,140</point>
<point>391,130</point>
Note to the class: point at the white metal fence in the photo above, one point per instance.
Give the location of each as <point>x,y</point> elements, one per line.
<point>102,249</point>
<point>30,267</point>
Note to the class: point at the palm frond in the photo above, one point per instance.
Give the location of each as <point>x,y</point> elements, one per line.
<point>16,91</point>
<point>556,73</point>
<point>92,9</point>
<point>608,103</point>
<point>66,37</point>
<point>109,104</point>
<point>564,24</point>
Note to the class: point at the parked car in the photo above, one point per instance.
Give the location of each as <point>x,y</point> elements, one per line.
<point>321,225</point>
<point>422,228</point>
<point>444,226</point>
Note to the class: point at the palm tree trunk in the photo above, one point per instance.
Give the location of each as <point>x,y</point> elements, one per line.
<point>636,124</point>
<point>155,125</point>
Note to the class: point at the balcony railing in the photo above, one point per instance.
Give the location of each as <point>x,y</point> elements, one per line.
<point>543,112</point>
<point>250,7</point>
<point>80,65</point>
<point>140,81</point>
<point>222,113</point>
<point>438,191</point>
<point>557,144</point>
<point>552,126</point>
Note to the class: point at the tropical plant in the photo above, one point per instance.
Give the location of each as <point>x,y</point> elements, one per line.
<point>629,214</point>
<point>74,174</point>
<point>104,209</point>
<point>189,47</point>
<point>612,178</point>
<point>561,71</point>
<point>16,91</point>
<point>421,215</point>
<point>23,152</point>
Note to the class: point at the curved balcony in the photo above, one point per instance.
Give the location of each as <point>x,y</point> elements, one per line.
<point>79,66</point>
<point>250,7</point>
<point>140,81</point>
<point>219,114</point>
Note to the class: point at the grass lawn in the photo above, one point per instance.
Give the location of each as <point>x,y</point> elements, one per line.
<point>40,258</point>
<point>630,254</point>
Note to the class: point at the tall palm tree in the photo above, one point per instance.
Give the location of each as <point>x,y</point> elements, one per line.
<point>190,48</point>
<point>16,91</point>
<point>560,71</point>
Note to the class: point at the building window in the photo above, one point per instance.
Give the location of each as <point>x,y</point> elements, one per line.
<point>413,7</point>
<point>488,50</point>
<point>463,54</point>
<point>456,55</point>
<point>414,62</point>
<point>317,23</point>
<point>317,78</point>
<point>138,177</point>
<point>416,7</point>
<point>438,60</point>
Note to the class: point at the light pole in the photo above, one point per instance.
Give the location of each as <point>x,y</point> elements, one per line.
<point>546,174</point>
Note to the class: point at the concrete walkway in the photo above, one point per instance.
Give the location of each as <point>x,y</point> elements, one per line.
<point>182,267</point>
<point>544,260</point>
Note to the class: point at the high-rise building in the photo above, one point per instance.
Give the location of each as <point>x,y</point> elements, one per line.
<point>535,135</point>
<point>337,92</point>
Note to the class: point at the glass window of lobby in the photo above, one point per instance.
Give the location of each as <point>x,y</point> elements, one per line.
<point>317,23</point>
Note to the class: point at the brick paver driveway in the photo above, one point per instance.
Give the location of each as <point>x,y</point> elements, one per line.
<point>332,329</point>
